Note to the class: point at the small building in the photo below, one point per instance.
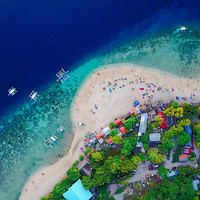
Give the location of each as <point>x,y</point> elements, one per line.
<point>154,137</point>
<point>183,158</point>
<point>188,130</point>
<point>143,124</point>
<point>77,192</point>
<point>106,131</point>
<point>123,130</point>
<point>109,141</point>
<point>164,124</point>
<point>172,174</point>
<point>84,168</point>
<point>118,121</point>
<point>195,184</point>
<point>139,144</point>
<point>99,135</point>
<point>135,110</point>
<point>187,150</point>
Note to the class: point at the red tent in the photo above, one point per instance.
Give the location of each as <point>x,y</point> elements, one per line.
<point>118,121</point>
<point>99,135</point>
<point>163,125</point>
<point>123,130</point>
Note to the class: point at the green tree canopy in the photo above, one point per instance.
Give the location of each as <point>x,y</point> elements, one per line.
<point>146,146</point>
<point>166,144</point>
<point>183,138</point>
<point>112,125</point>
<point>142,156</point>
<point>86,181</point>
<point>113,132</point>
<point>145,138</point>
<point>154,156</point>
<point>189,111</point>
<point>98,156</point>
<point>73,174</point>
<point>174,104</point>
<point>117,139</point>
<point>128,145</point>
<point>157,121</point>
<point>162,171</point>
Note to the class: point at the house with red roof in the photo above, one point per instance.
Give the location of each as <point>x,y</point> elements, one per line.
<point>183,158</point>
<point>187,150</point>
<point>123,130</point>
<point>99,135</point>
<point>164,124</point>
<point>118,121</point>
<point>135,110</point>
<point>109,141</point>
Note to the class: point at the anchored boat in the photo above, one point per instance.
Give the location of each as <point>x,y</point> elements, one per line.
<point>62,75</point>
<point>34,96</point>
<point>12,91</point>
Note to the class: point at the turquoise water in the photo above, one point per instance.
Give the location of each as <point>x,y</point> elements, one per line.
<point>21,144</point>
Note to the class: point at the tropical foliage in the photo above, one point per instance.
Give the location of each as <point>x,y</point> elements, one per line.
<point>154,156</point>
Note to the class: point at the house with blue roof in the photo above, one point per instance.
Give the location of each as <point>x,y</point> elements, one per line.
<point>187,148</point>
<point>77,192</point>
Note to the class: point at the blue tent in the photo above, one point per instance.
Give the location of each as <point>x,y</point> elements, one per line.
<point>136,103</point>
<point>177,97</point>
<point>77,192</point>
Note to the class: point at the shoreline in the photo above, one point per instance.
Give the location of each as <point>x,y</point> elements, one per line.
<point>110,105</point>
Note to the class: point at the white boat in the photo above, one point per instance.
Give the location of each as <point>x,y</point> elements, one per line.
<point>53,138</point>
<point>62,75</point>
<point>61,129</point>
<point>183,28</point>
<point>47,143</point>
<point>50,141</point>
<point>34,95</point>
<point>12,91</point>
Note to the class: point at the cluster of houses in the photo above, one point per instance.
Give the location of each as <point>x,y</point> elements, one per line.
<point>97,140</point>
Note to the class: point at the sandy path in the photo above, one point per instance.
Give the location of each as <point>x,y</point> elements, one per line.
<point>109,105</point>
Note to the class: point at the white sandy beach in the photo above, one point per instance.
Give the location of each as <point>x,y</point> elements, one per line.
<point>109,105</point>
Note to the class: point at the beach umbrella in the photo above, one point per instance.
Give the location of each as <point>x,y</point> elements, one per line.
<point>177,97</point>
<point>136,103</point>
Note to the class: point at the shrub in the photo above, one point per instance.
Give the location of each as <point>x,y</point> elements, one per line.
<point>193,155</point>
<point>120,190</point>
<point>87,150</point>
<point>191,159</point>
<point>145,146</point>
<point>81,157</point>
<point>112,125</point>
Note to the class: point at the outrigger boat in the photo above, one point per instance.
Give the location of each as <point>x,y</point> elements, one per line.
<point>50,141</point>
<point>12,91</point>
<point>183,28</point>
<point>62,75</point>
<point>34,95</point>
<point>61,129</point>
<point>47,143</point>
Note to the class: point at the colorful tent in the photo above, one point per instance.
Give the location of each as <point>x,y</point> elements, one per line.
<point>136,103</point>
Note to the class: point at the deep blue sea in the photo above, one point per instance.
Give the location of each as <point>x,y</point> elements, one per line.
<point>39,37</point>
